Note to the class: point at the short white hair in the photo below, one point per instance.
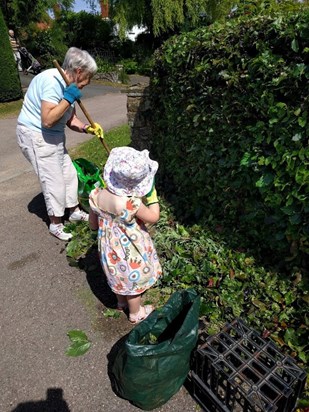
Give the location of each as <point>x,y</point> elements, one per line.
<point>76,58</point>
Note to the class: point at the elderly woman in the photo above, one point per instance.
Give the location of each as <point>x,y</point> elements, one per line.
<point>49,106</point>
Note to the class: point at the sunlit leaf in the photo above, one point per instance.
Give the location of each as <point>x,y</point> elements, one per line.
<point>77,335</point>
<point>111,313</point>
<point>294,45</point>
<point>78,349</point>
<point>79,343</point>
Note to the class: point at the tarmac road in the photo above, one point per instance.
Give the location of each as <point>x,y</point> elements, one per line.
<point>95,88</point>
<point>42,297</point>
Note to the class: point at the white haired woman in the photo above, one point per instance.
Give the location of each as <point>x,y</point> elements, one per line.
<point>48,107</point>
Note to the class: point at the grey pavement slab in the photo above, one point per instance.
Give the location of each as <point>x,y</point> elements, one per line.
<point>42,297</point>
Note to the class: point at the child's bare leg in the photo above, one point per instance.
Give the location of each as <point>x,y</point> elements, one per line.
<point>122,301</point>
<point>134,303</point>
<point>138,312</point>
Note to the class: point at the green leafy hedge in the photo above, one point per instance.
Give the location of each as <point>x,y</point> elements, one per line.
<point>232,284</point>
<point>231,125</point>
<point>10,87</point>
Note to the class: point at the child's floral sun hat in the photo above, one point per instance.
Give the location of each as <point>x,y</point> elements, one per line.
<point>129,172</point>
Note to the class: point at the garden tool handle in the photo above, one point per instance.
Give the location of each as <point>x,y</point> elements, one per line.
<point>88,117</point>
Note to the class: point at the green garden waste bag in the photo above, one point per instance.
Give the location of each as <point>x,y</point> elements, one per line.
<point>153,363</point>
<point>89,177</point>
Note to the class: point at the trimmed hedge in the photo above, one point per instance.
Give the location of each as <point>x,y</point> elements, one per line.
<point>10,87</point>
<point>231,124</point>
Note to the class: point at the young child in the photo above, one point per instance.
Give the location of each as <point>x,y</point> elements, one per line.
<point>119,212</point>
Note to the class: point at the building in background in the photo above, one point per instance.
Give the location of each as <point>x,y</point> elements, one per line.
<point>104,9</point>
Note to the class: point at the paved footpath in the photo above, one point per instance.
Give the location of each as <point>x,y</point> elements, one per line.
<point>42,298</point>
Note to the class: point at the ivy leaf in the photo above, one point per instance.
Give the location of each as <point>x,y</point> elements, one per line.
<point>111,313</point>
<point>78,349</point>
<point>295,219</point>
<point>303,356</point>
<point>302,121</point>
<point>77,335</point>
<point>265,180</point>
<point>295,46</point>
<point>80,343</point>
<point>260,305</point>
<point>245,159</point>
<point>297,111</point>
<point>296,137</point>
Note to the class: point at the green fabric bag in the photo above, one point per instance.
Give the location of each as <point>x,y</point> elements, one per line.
<point>89,177</point>
<point>154,361</point>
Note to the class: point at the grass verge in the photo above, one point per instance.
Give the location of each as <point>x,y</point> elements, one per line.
<point>94,151</point>
<point>10,109</point>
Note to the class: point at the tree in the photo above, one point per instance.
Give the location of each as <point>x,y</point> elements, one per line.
<point>10,87</point>
<point>32,22</point>
<point>85,30</point>
<point>162,16</point>
<point>20,13</point>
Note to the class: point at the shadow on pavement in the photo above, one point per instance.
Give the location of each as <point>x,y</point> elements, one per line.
<point>37,206</point>
<point>90,263</point>
<point>96,278</point>
<point>54,403</point>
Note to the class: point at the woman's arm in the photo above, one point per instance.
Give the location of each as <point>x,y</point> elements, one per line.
<point>93,220</point>
<point>149,214</point>
<point>51,113</point>
<point>75,124</point>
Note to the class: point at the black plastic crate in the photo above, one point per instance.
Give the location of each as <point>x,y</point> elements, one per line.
<point>238,371</point>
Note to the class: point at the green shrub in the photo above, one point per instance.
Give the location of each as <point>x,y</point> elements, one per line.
<point>46,45</point>
<point>230,120</point>
<point>85,30</point>
<point>104,65</point>
<point>130,66</point>
<point>145,66</point>
<point>232,284</point>
<point>10,87</point>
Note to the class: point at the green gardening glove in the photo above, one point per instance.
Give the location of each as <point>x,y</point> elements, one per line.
<point>97,130</point>
<point>151,197</point>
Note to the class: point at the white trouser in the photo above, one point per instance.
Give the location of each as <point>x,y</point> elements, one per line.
<point>54,167</point>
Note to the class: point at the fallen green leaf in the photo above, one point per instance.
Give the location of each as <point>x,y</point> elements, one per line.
<point>78,349</point>
<point>111,313</point>
<point>80,343</point>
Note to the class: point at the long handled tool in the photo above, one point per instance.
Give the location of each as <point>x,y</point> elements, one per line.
<point>57,65</point>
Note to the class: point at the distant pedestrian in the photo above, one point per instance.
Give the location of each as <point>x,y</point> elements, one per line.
<point>119,212</point>
<point>15,47</point>
<point>48,107</point>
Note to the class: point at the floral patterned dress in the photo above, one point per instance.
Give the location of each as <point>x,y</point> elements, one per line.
<point>127,253</point>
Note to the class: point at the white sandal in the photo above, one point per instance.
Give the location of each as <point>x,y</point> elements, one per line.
<point>142,314</point>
